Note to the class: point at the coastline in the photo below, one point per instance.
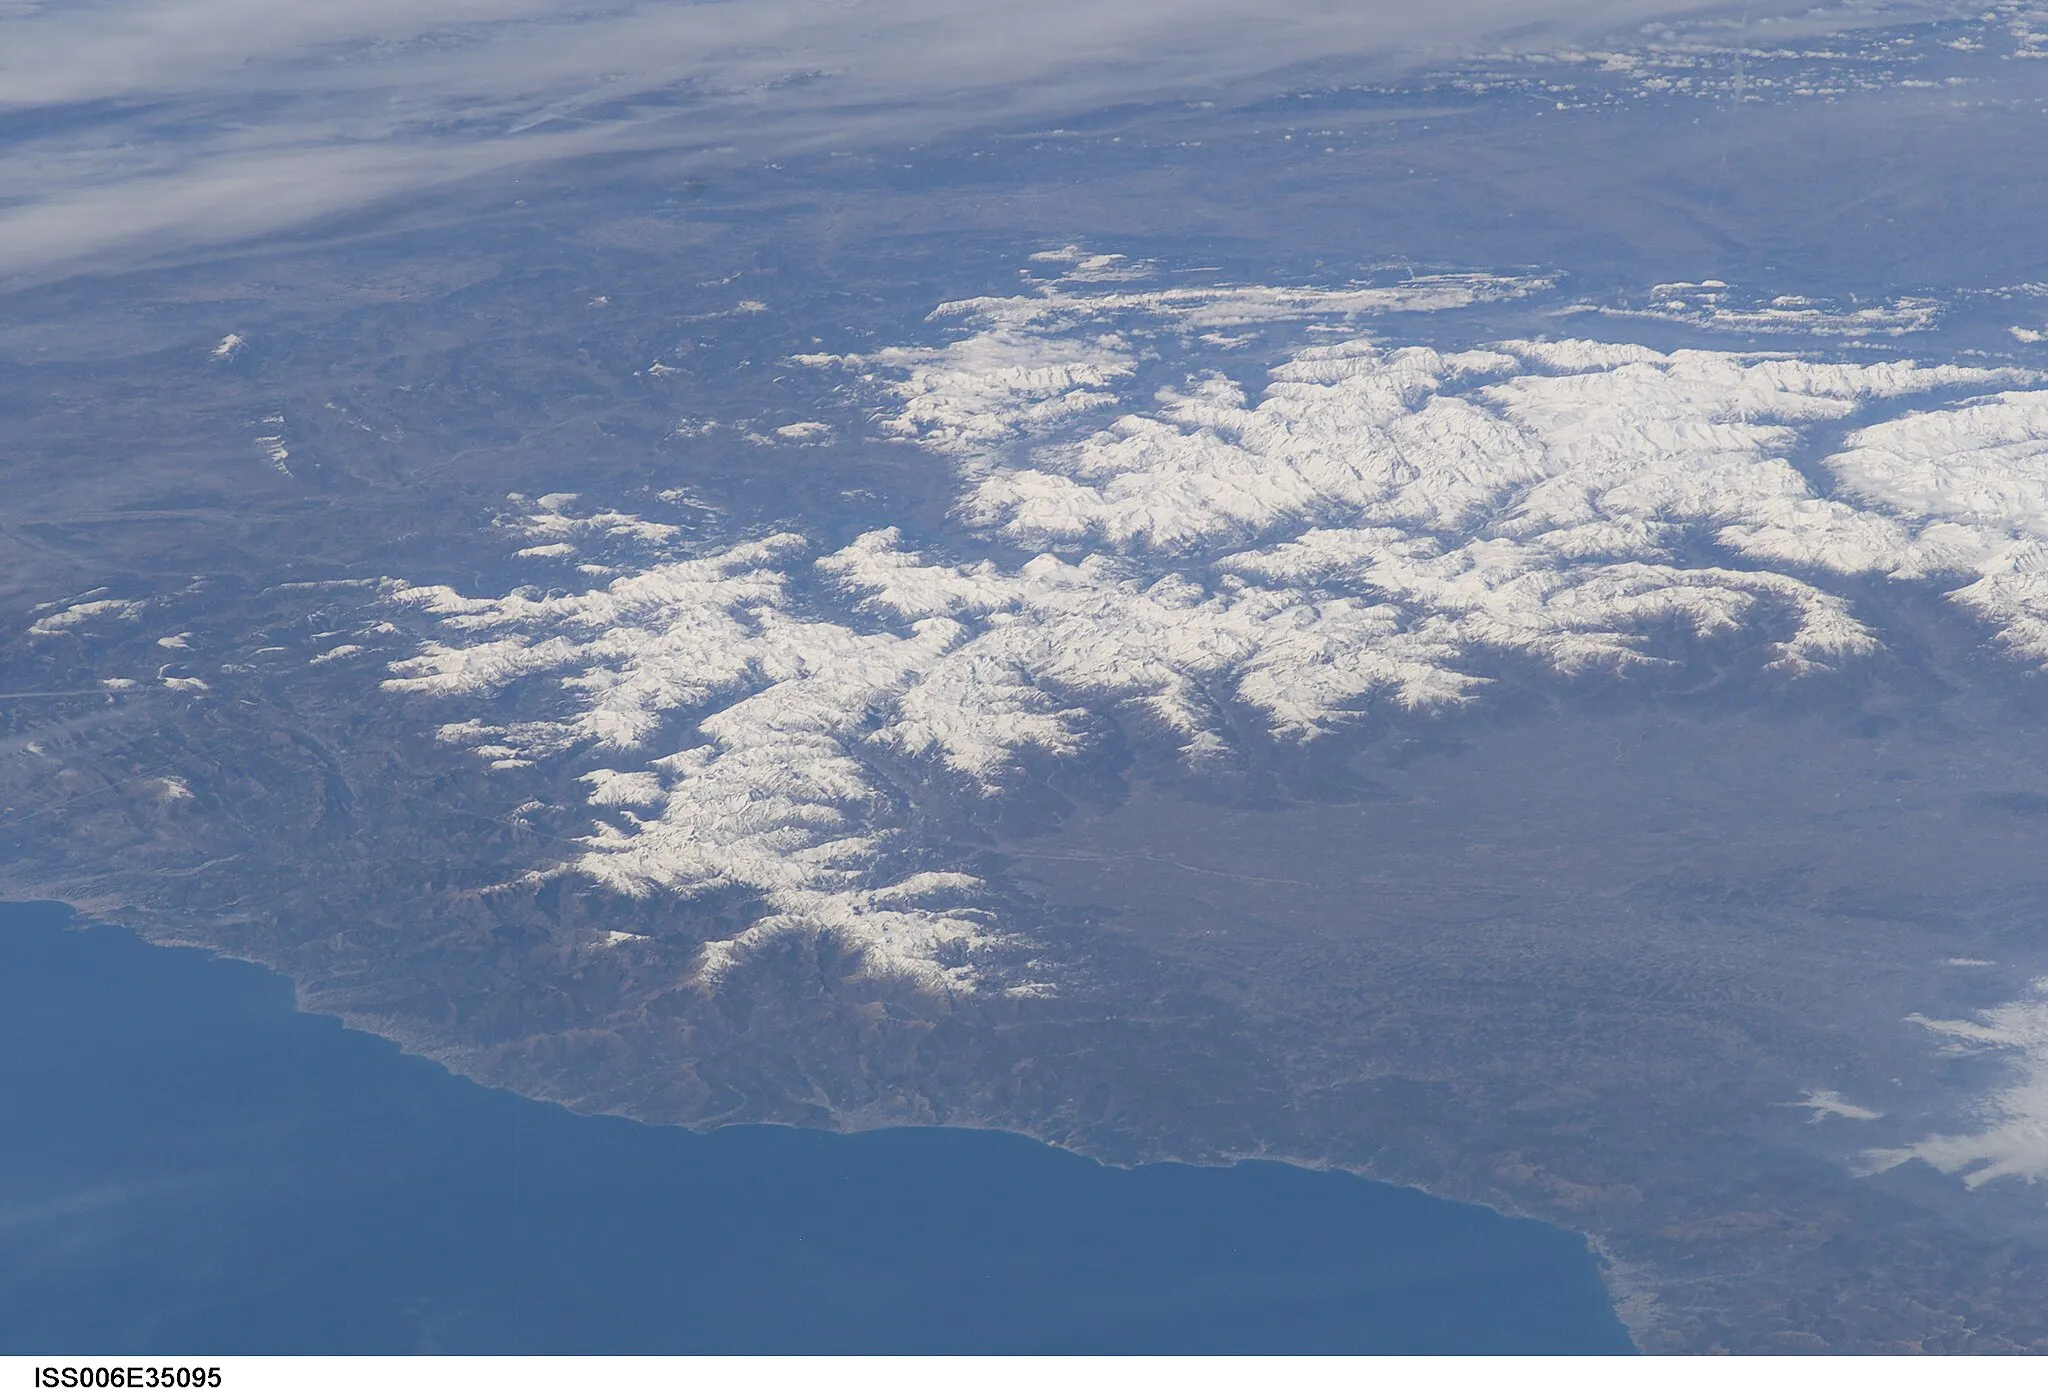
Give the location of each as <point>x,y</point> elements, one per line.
<point>846,1128</point>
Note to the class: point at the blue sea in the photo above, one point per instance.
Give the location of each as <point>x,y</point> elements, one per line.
<point>190,1165</point>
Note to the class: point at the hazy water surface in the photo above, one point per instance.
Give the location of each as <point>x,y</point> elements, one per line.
<point>190,1164</point>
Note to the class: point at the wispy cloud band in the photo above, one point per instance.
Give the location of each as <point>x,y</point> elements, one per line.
<point>136,131</point>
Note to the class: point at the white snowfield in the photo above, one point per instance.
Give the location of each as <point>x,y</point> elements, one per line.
<point>1716,305</point>
<point>62,618</point>
<point>1374,527</point>
<point>1039,360</point>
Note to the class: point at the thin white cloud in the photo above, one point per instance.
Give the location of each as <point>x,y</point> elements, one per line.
<point>2011,1141</point>
<point>186,124</point>
<point>1826,1103</point>
<point>226,195</point>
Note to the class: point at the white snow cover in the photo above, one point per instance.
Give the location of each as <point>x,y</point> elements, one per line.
<point>1038,360</point>
<point>767,792</point>
<point>1716,305</point>
<point>1371,527</point>
<point>72,616</point>
<point>1969,490</point>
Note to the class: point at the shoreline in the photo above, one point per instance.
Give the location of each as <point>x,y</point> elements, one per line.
<point>77,919</point>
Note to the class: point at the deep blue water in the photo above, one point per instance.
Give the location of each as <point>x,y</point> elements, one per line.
<point>188,1164</point>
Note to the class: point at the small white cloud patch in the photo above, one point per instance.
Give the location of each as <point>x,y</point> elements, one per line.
<point>1826,1103</point>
